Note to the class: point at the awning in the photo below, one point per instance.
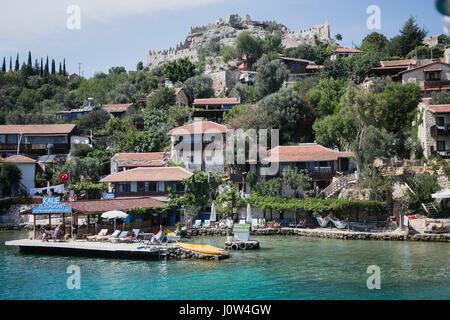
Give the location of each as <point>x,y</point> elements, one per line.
<point>443,194</point>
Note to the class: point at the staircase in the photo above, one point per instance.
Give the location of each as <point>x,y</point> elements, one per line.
<point>339,184</point>
<point>429,208</point>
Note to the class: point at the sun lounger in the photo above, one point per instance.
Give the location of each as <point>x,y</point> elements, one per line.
<point>197,223</point>
<point>207,223</point>
<point>255,223</point>
<point>122,237</point>
<point>242,222</point>
<point>101,235</point>
<point>113,236</point>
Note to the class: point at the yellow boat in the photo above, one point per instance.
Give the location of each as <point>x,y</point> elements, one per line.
<point>202,248</point>
<point>170,233</point>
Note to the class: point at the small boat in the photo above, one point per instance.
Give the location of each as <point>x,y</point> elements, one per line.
<point>202,248</point>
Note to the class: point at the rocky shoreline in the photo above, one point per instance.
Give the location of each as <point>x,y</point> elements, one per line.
<point>329,234</point>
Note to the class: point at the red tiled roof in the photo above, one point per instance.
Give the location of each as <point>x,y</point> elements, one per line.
<point>424,66</point>
<point>140,156</point>
<point>100,206</point>
<point>28,129</point>
<point>116,107</point>
<point>432,70</point>
<point>296,59</point>
<point>144,163</point>
<point>347,50</point>
<point>198,127</point>
<point>314,67</point>
<point>440,108</point>
<point>305,153</point>
<point>149,174</point>
<point>215,101</point>
<point>397,63</point>
<point>19,159</point>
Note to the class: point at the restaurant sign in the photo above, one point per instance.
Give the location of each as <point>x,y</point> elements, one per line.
<point>108,196</point>
<point>52,205</point>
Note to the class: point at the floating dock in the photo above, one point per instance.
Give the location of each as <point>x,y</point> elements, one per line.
<point>110,250</point>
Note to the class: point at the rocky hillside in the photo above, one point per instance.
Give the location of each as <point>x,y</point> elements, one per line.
<point>226,30</point>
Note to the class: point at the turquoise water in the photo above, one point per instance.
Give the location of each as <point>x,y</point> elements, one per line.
<point>285,268</point>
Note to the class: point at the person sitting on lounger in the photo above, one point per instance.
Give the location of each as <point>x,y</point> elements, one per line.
<point>46,233</point>
<point>159,237</point>
<point>58,234</point>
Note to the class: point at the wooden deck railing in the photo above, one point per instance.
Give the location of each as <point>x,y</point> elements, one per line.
<point>339,184</point>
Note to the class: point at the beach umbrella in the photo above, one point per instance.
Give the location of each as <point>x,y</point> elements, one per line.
<point>249,213</point>
<point>114,215</point>
<point>213,213</point>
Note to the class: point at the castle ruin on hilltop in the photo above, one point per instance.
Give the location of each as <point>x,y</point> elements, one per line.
<point>226,30</point>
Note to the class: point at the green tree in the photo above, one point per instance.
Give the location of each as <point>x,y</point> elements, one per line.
<point>198,87</point>
<point>424,186</point>
<point>325,96</point>
<point>294,179</point>
<point>303,51</point>
<point>440,97</point>
<point>140,66</point>
<point>123,93</point>
<point>335,69</point>
<point>269,188</point>
<point>337,130</point>
<point>228,53</point>
<point>411,36</point>
<point>271,75</point>
<point>246,93</point>
<point>248,45</point>
<point>162,98</point>
<point>290,113</point>
<point>374,42</point>
<point>179,70</point>
<point>272,44</point>
<point>401,102</point>
<point>80,150</point>
<point>10,177</point>
<point>93,120</point>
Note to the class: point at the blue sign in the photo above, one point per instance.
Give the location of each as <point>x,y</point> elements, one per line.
<point>108,196</point>
<point>52,205</point>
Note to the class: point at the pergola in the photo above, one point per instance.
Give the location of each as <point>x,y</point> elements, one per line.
<point>89,208</point>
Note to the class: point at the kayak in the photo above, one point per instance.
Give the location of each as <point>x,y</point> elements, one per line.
<point>202,248</point>
<point>170,233</point>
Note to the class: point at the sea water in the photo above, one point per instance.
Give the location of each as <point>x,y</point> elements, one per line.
<point>286,267</point>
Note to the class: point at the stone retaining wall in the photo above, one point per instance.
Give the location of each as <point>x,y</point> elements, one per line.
<point>178,253</point>
<point>330,234</point>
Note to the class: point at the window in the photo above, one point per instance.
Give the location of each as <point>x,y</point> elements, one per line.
<point>124,187</point>
<point>441,145</point>
<point>147,186</point>
<point>11,138</point>
<point>2,138</point>
<point>323,164</point>
<point>440,121</point>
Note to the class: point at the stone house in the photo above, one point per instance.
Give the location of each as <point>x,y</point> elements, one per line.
<point>223,80</point>
<point>430,77</point>
<point>213,109</point>
<point>321,163</point>
<point>434,129</point>
<point>199,145</point>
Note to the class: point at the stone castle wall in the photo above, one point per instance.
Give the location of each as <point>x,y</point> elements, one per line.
<point>226,30</point>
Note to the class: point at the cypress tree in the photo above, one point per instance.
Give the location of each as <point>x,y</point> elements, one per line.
<point>4,65</point>
<point>29,64</point>
<point>53,67</point>
<point>60,68</point>
<point>64,67</point>
<point>36,67</point>
<point>46,68</point>
<point>17,63</point>
<point>41,71</point>
<point>10,63</point>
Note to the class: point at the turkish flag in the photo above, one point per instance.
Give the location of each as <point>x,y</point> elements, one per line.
<point>64,177</point>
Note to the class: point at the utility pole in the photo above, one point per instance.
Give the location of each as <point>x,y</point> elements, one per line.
<point>79,68</point>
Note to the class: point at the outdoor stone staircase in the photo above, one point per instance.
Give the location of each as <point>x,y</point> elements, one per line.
<point>339,184</point>
<point>429,208</point>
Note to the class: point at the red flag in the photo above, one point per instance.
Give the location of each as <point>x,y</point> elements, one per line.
<point>64,177</point>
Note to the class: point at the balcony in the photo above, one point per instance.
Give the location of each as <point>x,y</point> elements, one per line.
<point>436,83</point>
<point>440,130</point>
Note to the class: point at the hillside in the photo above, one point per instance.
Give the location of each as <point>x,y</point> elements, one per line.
<point>225,32</point>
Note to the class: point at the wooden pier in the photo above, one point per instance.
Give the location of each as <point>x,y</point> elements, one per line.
<point>110,250</point>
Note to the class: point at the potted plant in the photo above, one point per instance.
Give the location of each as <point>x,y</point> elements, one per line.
<point>270,224</point>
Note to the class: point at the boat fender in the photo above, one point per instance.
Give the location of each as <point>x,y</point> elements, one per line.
<point>243,246</point>
<point>234,246</point>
